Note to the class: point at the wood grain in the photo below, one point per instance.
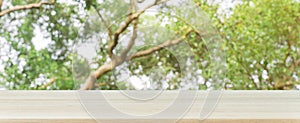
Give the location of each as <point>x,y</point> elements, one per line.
<point>67,106</point>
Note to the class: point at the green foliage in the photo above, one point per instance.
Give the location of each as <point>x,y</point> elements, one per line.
<point>263,37</point>
<point>40,65</point>
<point>260,38</point>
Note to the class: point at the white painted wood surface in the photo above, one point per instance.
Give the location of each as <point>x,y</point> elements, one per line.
<point>67,106</point>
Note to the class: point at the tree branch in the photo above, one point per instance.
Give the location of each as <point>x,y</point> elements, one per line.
<point>48,83</point>
<point>153,49</point>
<point>51,81</point>
<point>157,48</point>
<point>115,61</point>
<point>132,40</point>
<point>133,5</point>
<point>24,7</point>
<point>130,18</point>
<point>1,1</point>
<point>91,80</point>
<point>106,24</point>
<point>240,62</point>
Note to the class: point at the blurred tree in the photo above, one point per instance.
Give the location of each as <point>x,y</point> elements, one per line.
<point>263,44</point>
<point>26,65</point>
<point>261,41</point>
<point>136,26</point>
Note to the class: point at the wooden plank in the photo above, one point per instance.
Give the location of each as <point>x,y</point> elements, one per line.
<point>73,106</point>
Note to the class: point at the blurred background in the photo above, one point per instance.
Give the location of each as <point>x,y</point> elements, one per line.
<point>56,45</point>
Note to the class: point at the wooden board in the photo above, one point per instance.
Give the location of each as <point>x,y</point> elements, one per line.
<point>71,106</point>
